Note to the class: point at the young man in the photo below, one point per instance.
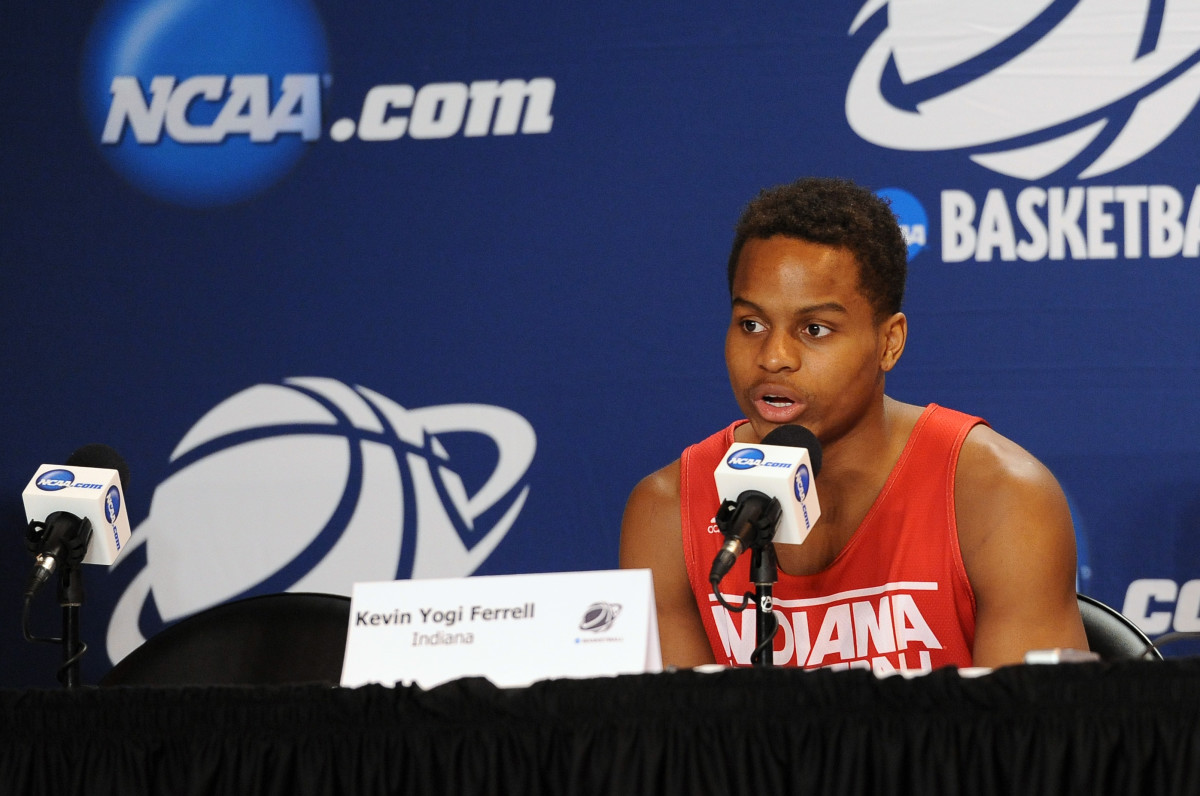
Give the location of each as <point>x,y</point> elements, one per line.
<point>940,542</point>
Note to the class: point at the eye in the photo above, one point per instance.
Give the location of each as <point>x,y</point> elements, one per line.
<point>817,330</point>
<point>750,325</point>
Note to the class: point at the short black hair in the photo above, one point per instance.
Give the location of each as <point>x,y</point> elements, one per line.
<point>834,212</point>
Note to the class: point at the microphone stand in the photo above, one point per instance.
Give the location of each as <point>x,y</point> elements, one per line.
<point>70,597</point>
<point>763,573</point>
<point>63,540</point>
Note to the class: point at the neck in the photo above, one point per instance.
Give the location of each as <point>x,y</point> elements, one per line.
<point>856,464</point>
<point>865,439</point>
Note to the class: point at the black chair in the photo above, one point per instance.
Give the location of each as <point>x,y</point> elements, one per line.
<point>269,639</point>
<point>1111,634</point>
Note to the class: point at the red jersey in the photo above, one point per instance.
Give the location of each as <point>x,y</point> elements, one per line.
<point>895,598</point>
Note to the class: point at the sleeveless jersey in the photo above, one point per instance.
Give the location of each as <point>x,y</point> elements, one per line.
<point>895,598</point>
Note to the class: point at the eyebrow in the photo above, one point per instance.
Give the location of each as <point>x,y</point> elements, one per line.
<point>808,309</point>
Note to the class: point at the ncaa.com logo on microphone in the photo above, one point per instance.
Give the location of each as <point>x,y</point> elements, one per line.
<point>314,485</point>
<point>745,459</point>
<point>801,482</point>
<point>112,504</point>
<point>1037,89</point>
<point>55,480</point>
<point>211,103</point>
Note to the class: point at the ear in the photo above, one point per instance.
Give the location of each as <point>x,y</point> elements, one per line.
<point>893,333</point>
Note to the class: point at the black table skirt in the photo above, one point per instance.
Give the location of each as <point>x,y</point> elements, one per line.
<point>1084,728</point>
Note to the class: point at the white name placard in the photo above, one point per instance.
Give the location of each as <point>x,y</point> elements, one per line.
<point>511,629</point>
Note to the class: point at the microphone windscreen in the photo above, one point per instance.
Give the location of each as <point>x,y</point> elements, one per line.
<point>793,436</point>
<point>103,457</point>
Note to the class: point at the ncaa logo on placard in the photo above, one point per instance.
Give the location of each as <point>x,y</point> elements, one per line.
<point>600,616</point>
<point>1028,87</point>
<point>314,485</point>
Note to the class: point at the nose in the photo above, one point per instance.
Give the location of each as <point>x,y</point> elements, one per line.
<point>779,352</point>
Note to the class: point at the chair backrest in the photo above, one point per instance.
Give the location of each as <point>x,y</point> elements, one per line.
<point>1111,634</point>
<point>274,638</point>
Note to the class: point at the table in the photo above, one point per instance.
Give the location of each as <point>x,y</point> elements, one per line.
<point>1128,727</point>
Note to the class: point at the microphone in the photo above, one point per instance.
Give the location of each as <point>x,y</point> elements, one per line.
<point>764,486</point>
<point>76,512</point>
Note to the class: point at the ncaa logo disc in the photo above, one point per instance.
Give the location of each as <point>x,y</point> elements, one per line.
<point>112,504</point>
<point>910,214</point>
<point>204,103</point>
<point>745,459</point>
<point>54,480</point>
<point>803,478</point>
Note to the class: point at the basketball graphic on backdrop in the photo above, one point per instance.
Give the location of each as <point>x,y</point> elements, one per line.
<point>1022,86</point>
<point>313,485</point>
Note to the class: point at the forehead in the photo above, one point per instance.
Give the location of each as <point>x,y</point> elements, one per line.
<point>787,269</point>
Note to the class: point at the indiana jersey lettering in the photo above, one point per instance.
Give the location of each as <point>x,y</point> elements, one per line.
<point>881,629</point>
<point>896,598</point>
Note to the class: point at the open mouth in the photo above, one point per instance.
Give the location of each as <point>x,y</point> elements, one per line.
<point>777,403</point>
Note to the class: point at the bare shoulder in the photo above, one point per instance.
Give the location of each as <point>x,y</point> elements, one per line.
<point>652,538</point>
<point>658,490</point>
<point>1018,547</point>
<point>994,471</point>
<point>989,457</point>
<point>988,450</point>
<point>651,529</point>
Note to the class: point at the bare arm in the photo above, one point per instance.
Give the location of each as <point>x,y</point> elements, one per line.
<point>1018,546</point>
<point>652,538</point>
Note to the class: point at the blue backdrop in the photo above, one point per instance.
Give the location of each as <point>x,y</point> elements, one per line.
<point>401,290</point>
